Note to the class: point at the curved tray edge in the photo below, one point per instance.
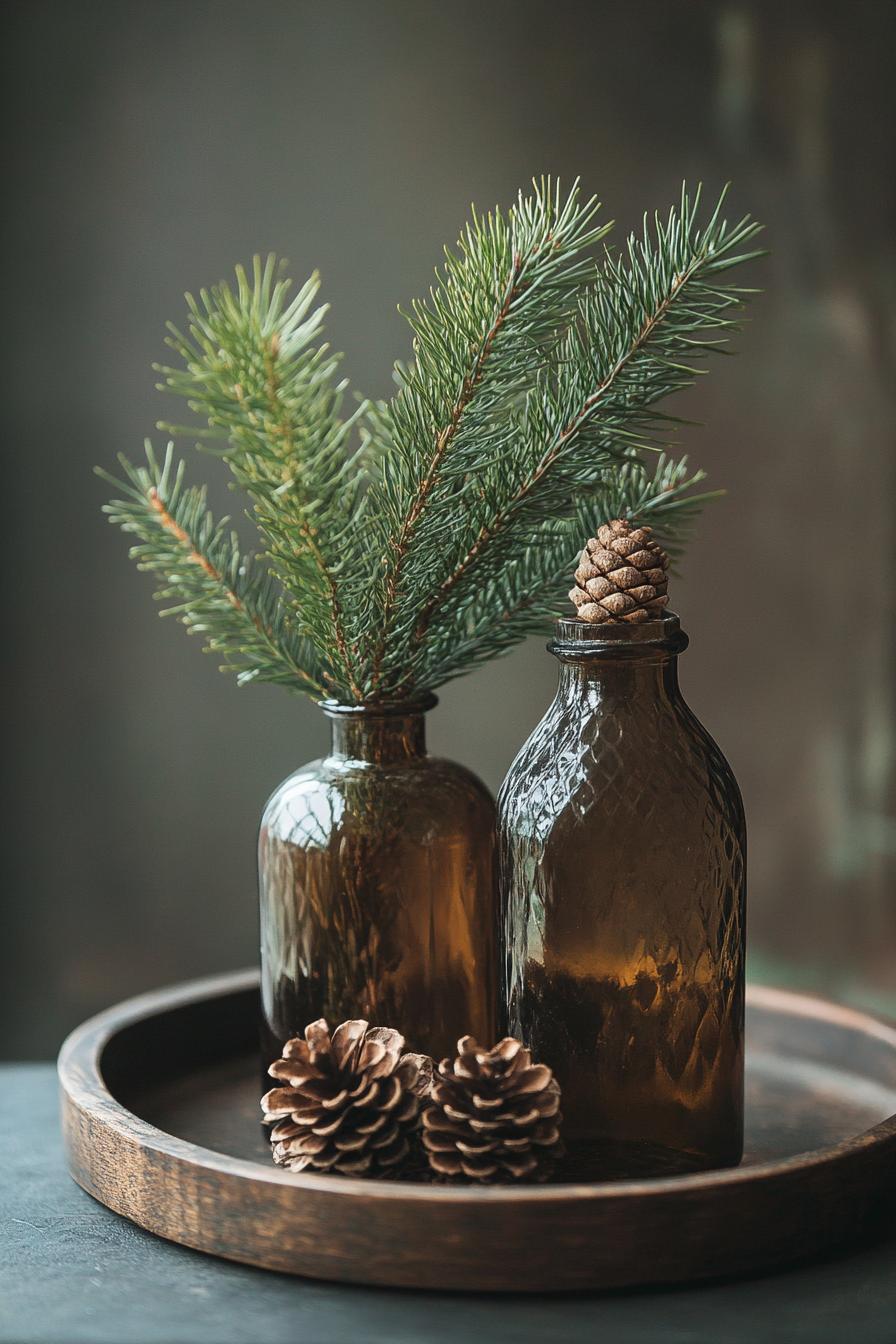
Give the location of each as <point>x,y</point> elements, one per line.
<point>350,1229</point>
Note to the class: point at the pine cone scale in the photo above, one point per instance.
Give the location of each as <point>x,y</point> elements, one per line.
<point>356,1141</point>
<point>317,1038</point>
<point>326,1131</point>
<point>534,1079</point>
<point>483,1126</point>
<point>345,1044</point>
<point>626,577</point>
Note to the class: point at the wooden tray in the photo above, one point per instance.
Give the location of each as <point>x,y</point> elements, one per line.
<point>160,1115</point>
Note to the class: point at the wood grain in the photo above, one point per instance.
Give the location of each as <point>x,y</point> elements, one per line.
<point>820,1170</point>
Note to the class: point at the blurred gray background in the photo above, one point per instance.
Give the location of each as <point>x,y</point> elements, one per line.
<point>155,144</point>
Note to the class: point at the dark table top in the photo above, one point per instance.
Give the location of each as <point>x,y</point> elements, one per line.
<point>71,1271</point>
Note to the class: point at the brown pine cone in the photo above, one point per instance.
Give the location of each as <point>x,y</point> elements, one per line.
<point>347,1102</point>
<point>493,1114</point>
<point>621,576</point>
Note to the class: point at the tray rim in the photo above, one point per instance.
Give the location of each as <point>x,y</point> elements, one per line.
<point>83,1086</point>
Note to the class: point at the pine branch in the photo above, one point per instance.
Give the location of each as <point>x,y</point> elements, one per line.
<point>623,354</point>
<point>527,595</point>
<point>217,591</point>
<point>499,303</point>
<point>255,370</point>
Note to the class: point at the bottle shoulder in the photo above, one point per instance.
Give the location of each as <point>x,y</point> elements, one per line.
<point>329,791</point>
<point>307,778</point>
<point>442,770</point>
<point>643,751</point>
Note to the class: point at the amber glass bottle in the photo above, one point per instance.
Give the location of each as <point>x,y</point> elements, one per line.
<point>622,870</point>
<point>376,876</point>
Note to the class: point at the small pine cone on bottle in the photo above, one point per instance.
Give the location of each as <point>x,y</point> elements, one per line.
<point>492,1115</point>
<point>347,1102</point>
<point>621,576</point>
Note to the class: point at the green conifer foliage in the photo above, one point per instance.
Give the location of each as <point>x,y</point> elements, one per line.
<point>405,543</point>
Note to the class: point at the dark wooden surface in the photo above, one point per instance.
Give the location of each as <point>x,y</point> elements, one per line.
<point>173,1143</point>
<point>72,1272</point>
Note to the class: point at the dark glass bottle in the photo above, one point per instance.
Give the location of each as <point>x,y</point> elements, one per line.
<point>376,877</point>
<point>622,872</point>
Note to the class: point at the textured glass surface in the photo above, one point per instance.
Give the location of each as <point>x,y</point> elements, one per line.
<point>376,877</point>
<point>622,860</point>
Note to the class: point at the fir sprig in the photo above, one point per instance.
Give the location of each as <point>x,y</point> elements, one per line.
<point>522,598</point>
<point>218,593</point>
<point>623,353</point>
<point>417,537</point>
<point>499,305</point>
<point>254,369</point>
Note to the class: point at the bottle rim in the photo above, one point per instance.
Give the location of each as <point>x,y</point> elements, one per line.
<point>574,638</point>
<point>385,709</point>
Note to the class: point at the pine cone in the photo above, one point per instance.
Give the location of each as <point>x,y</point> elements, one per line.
<point>493,1114</point>
<point>621,576</point>
<point>347,1102</point>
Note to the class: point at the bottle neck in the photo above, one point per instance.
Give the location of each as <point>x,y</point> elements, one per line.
<point>378,735</point>
<point>596,679</point>
<point>618,665</point>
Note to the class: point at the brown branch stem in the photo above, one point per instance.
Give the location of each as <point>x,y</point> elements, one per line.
<point>444,438</point>
<point>306,531</point>
<point>196,557</point>
<point>171,525</point>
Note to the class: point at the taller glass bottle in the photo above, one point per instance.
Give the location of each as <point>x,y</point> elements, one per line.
<point>376,882</point>
<point>622,871</point>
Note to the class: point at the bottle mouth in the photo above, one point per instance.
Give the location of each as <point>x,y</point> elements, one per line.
<point>574,638</point>
<point>386,709</point>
